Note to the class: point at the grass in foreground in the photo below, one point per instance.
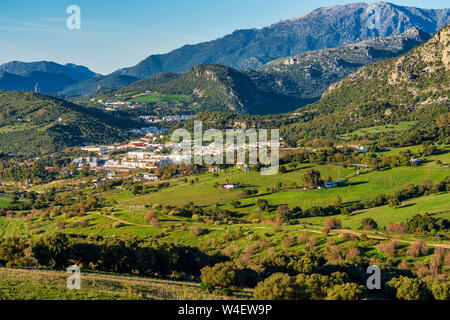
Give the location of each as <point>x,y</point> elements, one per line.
<point>19,284</point>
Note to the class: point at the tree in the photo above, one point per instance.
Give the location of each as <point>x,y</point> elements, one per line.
<point>280,286</point>
<point>262,204</point>
<point>284,213</point>
<point>136,189</point>
<point>368,224</point>
<point>53,251</point>
<point>405,288</point>
<point>336,202</point>
<point>152,219</point>
<point>12,250</point>
<point>346,291</point>
<point>333,223</point>
<point>222,275</point>
<point>236,203</point>
<point>311,178</point>
<point>394,202</point>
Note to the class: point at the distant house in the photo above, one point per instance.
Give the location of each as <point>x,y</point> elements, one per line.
<point>330,184</point>
<point>230,186</point>
<point>214,169</point>
<point>414,160</point>
<point>150,177</point>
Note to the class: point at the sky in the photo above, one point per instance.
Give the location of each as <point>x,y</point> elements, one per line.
<point>120,33</point>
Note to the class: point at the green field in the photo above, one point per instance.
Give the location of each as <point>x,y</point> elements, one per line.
<point>436,205</point>
<point>401,126</point>
<point>162,98</point>
<point>359,187</point>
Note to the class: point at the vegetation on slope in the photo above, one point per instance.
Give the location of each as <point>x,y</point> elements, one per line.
<point>32,124</point>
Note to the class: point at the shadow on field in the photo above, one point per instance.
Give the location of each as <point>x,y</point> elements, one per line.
<point>407,205</point>
<point>352,184</point>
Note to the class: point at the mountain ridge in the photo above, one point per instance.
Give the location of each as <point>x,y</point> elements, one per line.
<point>322,28</point>
<point>412,87</point>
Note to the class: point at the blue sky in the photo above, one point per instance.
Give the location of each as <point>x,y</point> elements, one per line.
<point>120,33</point>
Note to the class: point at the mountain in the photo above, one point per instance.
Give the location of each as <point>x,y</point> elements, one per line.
<point>414,86</point>
<point>75,72</point>
<point>322,28</point>
<point>213,87</point>
<point>309,74</point>
<point>98,82</point>
<point>47,76</point>
<point>32,124</point>
<point>46,82</point>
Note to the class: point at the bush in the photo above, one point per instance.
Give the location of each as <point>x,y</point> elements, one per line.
<point>405,288</point>
<point>222,275</point>
<point>198,231</point>
<point>287,241</point>
<point>152,219</point>
<point>396,227</point>
<point>117,224</point>
<point>417,248</point>
<point>280,286</point>
<point>368,224</point>
<point>346,291</point>
<point>441,291</point>
<point>333,222</point>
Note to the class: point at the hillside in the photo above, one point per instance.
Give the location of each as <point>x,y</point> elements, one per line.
<point>47,76</point>
<point>413,86</point>
<point>73,71</point>
<point>34,124</point>
<point>214,87</point>
<point>308,75</point>
<point>322,28</point>
<point>97,83</point>
<point>46,82</point>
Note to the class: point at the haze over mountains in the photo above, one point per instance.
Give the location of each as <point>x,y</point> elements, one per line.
<point>42,76</point>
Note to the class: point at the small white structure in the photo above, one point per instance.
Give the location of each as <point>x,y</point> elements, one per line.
<point>330,184</point>
<point>230,186</point>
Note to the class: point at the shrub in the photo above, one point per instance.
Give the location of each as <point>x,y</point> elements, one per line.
<point>280,286</point>
<point>417,248</point>
<point>152,219</point>
<point>303,238</point>
<point>287,241</point>
<point>262,204</point>
<point>368,224</point>
<point>405,288</point>
<point>222,275</point>
<point>198,231</point>
<point>118,224</point>
<point>346,291</point>
<point>441,291</point>
<point>333,222</point>
<point>396,227</point>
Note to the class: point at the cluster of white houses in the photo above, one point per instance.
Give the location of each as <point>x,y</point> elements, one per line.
<point>132,160</point>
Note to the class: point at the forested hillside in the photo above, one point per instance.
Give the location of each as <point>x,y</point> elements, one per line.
<point>33,124</point>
